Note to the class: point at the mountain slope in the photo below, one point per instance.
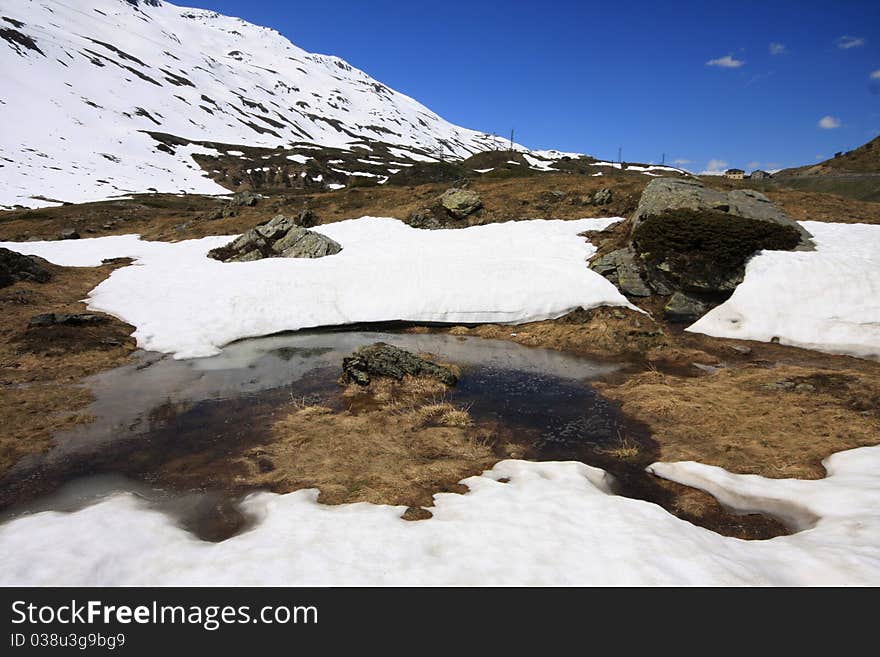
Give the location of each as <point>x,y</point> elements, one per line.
<point>861,160</point>
<point>84,81</point>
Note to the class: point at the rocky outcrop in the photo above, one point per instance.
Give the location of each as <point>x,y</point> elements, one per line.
<point>664,196</point>
<point>460,202</point>
<point>232,206</point>
<point>684,308</point>
<point>692,243</point>
<point>451,210</point>
<point>280,237</point>
<point>385,360</point>
<point>15,267</point>
<point>603,196</point>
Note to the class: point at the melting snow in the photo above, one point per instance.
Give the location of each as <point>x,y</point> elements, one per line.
<point>182,302</point>
<point>828,299</point>
<point>553,524</point>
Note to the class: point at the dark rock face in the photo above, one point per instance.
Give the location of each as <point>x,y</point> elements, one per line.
<point>280,237</point>
<point>683,308</point>
<point>16,267</point>
<point>66,319</point>
<point>705,251</point>
<point>385,360</point>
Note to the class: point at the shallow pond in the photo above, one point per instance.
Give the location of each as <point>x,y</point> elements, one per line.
<point>158,409</point>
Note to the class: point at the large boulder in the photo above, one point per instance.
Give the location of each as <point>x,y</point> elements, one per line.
<point>280,237</point>
<point>15,267</point>
<point>460,202</point>
<point>385,360</point>
<point>665,195</point>
<point>697,240</point>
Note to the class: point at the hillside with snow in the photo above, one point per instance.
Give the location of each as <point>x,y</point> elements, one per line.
<point>85,83</point>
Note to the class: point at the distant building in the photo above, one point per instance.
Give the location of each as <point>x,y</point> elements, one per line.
<point>735,174</point>
<point>758,174</point>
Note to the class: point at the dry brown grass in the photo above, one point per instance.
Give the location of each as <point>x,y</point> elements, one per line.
<point>397,443</point>
<point>738,419</point>
<point>599,332</point>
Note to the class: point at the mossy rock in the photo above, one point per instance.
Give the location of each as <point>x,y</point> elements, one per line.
<point>705,250</point>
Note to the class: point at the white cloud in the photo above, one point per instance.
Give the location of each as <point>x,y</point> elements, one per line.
<point>777,48</point>
<point>753,165</point>
<point>829,122</point>
<point>682,162</point>
<point>725,62</point>
<point>846,42</point>
<point>715,167</point>
<point>875,75</point>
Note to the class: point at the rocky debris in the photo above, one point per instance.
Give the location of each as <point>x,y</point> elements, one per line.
<point>460,202</point>
<point>66,319</point>
<point>244,199</point>
<point>69,234</point>
<point>684,308</point>
<point>15,267</point>
<point>449,211</point>
<point>430,218</point>
<point>280,237</point>
<point>785,384</point>
<point>603,197</point>
<point>620,268</point>
<point>231,207</point>
<point>385,360</point>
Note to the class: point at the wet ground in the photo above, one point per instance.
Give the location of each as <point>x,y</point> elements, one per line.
<point>159,410</point>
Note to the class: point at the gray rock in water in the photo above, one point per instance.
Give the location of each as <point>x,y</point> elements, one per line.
<point>385,360</point>
<point>15,267</point>
<point>603,197</point>
<point>684,308</point>
<point>280,237</point>
<point>460,202</point>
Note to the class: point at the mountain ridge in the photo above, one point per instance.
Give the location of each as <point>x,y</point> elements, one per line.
<point>83,100</point>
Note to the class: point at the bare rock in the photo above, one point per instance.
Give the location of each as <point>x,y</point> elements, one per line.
<point>385,360</point>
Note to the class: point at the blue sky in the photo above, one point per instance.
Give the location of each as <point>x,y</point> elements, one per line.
<point>595,76</point>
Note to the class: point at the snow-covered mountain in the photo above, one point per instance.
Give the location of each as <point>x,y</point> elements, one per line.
<point>84,82</point>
